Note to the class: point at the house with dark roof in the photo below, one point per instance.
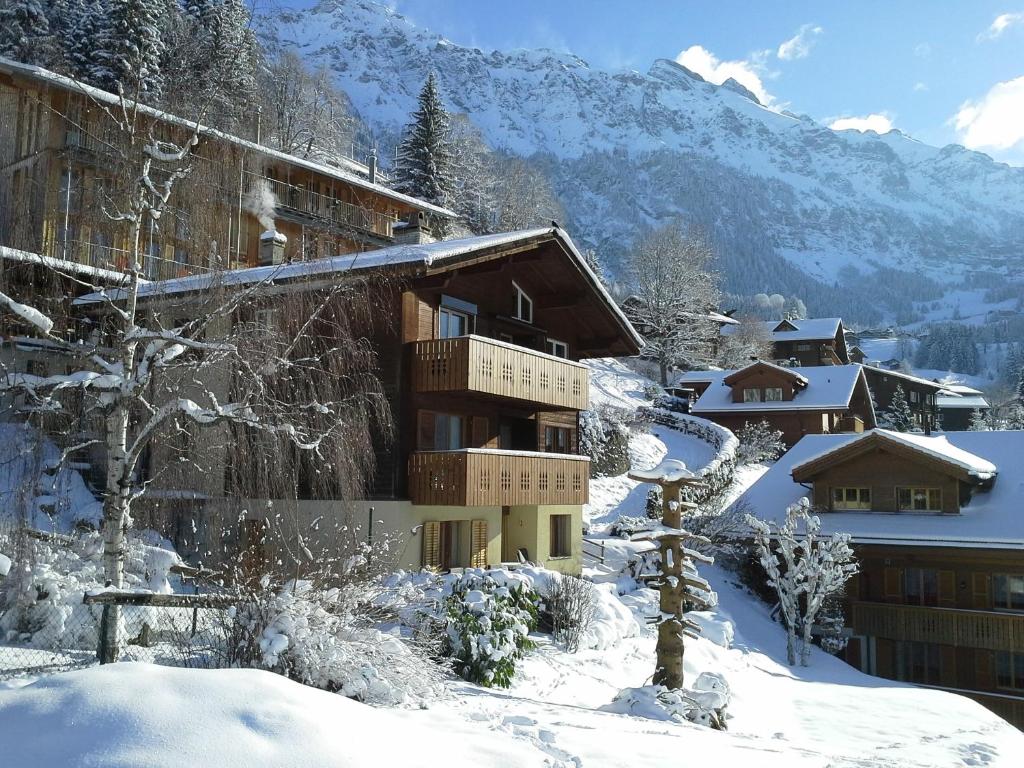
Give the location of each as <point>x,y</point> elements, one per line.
<point>796,400</point>
<point>811,342</point>
<point>937,527</point>
<point>957,404</point>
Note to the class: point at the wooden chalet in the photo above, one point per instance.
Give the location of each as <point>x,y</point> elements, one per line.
<point>797,401</point>
<point>937,529</point>
<point>957,404</point>
<point>921,394</point>
<point>806,343</point>
<point>478,355</point>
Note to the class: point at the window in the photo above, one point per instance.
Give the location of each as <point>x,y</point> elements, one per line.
<point>561,542</point>
<point>918,663</point>
<point>440,432</point>
<point>506,337</point>
<point>921,586</point>
<point>803,347</point>
<point>1008,592</point>
<point>919,499</point>
<point>851,498</point>
<point>556,439</point>
<point>914,397</point>
<point>558,348</point>
<point>523,306</point>
<point>451,324</point>
<point>37,368</point>
<point>773,395</point>
<point>1010,670</point>
<point>751,395</point>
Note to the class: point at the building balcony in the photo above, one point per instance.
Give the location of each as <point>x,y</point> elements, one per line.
<point>478,477</point>
<point>947,626</point>
<point>474,364</point>
<point>304,205</point>
<point>850,424</point>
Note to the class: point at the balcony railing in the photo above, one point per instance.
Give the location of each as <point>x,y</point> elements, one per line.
<point>490,367</point>
<point>850,424</point>
<point>325,208</point>
<point>947,626</point>
<point>475,477</point>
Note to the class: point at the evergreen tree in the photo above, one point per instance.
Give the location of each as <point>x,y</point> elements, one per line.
<point>901,418</point>
<point>24,31</point>
<point>1020,385</point>
<point>83,39</point>
<point>132,47</point>
<point>979,421</point>
<point>425,156</point>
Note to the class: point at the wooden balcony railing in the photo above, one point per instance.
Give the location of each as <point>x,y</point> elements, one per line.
<point>325,208</point>
<point>491,367</point>
<point>850,424</point>
<point>947,626</point>
<point>476,477</point>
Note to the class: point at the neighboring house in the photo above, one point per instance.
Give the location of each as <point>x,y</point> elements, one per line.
<point>857,354</point>
<point>937,527</point>
<point>797,401</point>
<point>921,394</point>
<point>478,344</point>
<point>957,404</point>
<point>817,341</point>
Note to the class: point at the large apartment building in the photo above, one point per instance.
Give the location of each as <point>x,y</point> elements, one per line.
<point>937,529</point>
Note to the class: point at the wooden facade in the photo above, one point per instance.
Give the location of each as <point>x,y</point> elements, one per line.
<point>808,351</point>
<point>921,395</point>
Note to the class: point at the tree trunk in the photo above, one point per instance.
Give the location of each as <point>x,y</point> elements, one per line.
<point>663,371</point>
<point>669,669</point>
<point>115,499</point>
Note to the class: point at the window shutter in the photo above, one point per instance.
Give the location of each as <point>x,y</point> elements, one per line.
<point>979,583</point>
<point>478,559</point>
<point>481,431</point>
<point>432,544</point>
<point>425,441</point>
<point>947,589</point>
<point>891,590</point>
<point>984,677</point>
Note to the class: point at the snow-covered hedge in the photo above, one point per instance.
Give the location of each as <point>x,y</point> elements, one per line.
<point>704,704</point>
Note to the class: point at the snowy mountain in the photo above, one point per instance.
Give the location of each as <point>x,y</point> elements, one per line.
<point>796,207</point>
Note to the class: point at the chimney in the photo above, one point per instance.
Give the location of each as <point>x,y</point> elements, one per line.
<point>415,230</point>
<point>272,245</point>
<point>371,166</point>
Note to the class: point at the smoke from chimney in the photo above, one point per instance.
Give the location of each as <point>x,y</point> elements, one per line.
<point>261,203</point>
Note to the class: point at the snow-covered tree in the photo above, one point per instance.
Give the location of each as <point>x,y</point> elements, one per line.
<point>901,418</point>
<point>24,30</point>
<point>674,288</point>
<point>131,48</point>
<point>759,442</point>
<point>82,42</point>
<point>980,422</point>
<point>750,340</point>
<point>425,154</point>
<point>803,568</point>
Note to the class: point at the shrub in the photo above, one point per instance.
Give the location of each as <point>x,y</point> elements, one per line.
<point>704,704</point>
<point>488,628</point>
<point>571,605</point>
<point>759,442</point>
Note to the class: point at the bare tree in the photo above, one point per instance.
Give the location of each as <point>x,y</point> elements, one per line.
<point>674,289</point>
<point>748,341</point>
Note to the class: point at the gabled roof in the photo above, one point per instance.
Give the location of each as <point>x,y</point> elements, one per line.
<point>419,258</point>
<point>817,328</point>
<point>992,519</point>
<point>962,402</point>
<point>936,449</point>
<point>69,84</point>
<point>829,387</point>
<point>791,374</point>
<point>933,385</point>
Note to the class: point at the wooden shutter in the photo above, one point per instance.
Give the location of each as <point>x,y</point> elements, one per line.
<point>980,591</point>
<point>892,589</point>
<point>432,544</point>
<point>478,559</point>
<point>947,589</point>
<point>852,587</point>
<point>425,430</point>
<point>481,431</point>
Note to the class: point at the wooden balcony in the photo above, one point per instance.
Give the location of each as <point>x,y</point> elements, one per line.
<point>850,424</point>
<point>947,626</point>
<point>325,209</point>
<point>490,367</point>
<point>476,477</point>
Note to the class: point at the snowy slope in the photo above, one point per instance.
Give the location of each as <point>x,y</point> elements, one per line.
<point>625,149</point>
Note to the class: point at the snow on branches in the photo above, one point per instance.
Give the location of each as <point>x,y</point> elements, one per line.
<point>803,568</point>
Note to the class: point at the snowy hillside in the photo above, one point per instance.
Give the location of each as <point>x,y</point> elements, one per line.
<point>786,197</point>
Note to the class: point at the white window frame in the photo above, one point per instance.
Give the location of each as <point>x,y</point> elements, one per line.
<point>554,345</point>
<point>522,300</point>
<point>914,492</point>
<point>861,498</point>
<point>453,312</point>
<point>778,399</point>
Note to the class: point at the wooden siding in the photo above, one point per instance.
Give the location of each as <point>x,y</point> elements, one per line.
<point>484,366</point>
<point>961,628</point>
<point>487,478</point>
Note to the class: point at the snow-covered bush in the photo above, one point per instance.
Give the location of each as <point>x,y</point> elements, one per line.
<point>716,474</point>
<point>488,628</point>
<point>626,525</point>
<point>759,442</point>
<point>604,437</point>
<point>803,569</point>
<point>704,704</point>
<point>570,604</point>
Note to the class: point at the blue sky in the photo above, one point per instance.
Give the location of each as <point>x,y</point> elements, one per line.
<point>939,71</point>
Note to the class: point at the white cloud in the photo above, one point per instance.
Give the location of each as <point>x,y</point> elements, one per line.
<point>920,87</point>
<point>745,72</point>
<point>996,121</point>
<point>799,46</point>
<point>879,123</point>
<point>1000,24</point>
<point>922,50</point>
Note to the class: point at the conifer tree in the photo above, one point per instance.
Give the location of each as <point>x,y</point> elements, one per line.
<point>979,421</point>
<point>132,47</point>
<point>425,155</point>
<point>24,31</point>
<point>1020,385</point>
<point>900,416</point>
<point>83,41</point>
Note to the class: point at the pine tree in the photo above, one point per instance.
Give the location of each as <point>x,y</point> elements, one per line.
<point>83,40</point>
<point>1020,385</point>
<point>900,416</point>
<point>979,421</point>
<point>425,156</point>
<point>132,47</point>
<point>24,31</point>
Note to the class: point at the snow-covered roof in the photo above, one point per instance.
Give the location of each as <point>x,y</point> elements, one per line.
<point>827,387</point>
<point>806,330</point>
<point>906,376</point>
<point>961,389</point>
<point>84,271</point>
<point>789,372</point>
<point>426,254</point>
<point>972,402</point>
<point>991,519</point>
<point>69,84</point>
